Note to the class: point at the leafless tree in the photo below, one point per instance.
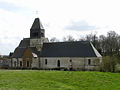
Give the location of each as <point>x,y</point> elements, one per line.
<point>69,38</point>
<point>54,39</point>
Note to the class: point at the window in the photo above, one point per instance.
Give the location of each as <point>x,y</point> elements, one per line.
<point>20,63</point>
<point>28,64</point>
<point>89,61</point>
<point>58,63</point>
<point>46,61</point>
<point>70,64</point>
<point>14,63</point>
<point>70,60</point>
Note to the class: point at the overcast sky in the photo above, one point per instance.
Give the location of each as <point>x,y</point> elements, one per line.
<point>59,18</point>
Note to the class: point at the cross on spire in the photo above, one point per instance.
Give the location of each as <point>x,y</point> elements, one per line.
<point>36,12</point>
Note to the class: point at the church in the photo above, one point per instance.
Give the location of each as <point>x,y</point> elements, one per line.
<point>37,52</point>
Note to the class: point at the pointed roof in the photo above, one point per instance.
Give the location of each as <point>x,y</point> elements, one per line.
<point>37,24</point>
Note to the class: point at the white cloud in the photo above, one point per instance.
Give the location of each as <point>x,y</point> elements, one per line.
<point>55,16</point>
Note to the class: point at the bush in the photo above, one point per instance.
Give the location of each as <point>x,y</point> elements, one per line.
<point>108,64</point>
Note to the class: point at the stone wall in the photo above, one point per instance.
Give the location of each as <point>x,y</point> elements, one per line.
<point>35,63</point>
<point>38,42</point>
<point>5,63</point>
<point>16,62</point>
<point>76,63</point>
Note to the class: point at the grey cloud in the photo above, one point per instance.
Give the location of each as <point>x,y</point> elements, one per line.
<point>81,25</point>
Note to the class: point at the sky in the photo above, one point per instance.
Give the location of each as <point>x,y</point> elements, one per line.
<point>60,18</point>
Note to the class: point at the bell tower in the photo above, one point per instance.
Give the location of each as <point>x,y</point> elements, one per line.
<point>37,35</point>
<point>37,30</point>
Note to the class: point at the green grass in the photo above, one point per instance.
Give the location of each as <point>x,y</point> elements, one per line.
<point>58,80</point>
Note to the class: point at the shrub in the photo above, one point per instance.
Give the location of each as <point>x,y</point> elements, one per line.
<point>108,64</point>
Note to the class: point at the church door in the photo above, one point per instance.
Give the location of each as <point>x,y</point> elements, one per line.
<point>28,64</point>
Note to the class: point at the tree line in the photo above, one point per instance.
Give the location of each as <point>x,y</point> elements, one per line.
<point>108,45</point>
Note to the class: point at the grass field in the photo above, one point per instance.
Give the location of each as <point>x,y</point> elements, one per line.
<point>58,80</point>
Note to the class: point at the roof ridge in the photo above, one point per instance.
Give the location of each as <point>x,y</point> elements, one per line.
<point>68,42</point>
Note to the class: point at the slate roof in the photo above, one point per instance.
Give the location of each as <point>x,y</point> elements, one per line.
<point>18,53</point>
<point>25,42</point>
<point>68,49</point>
<point>37,24</point>
<point>59,49</point>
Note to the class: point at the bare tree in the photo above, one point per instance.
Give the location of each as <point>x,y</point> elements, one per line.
<point>102,43</point>
<point>111,42</point>
<point>69,38</point>
<point>54,39</point>
<point>95,40</point>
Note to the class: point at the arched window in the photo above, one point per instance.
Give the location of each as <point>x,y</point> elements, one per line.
<point>70,60</point>
<point>46,61</point>
<point>15,64</point>
<point>89,61</point>
<point>58,63</point>
<point>20,63</point>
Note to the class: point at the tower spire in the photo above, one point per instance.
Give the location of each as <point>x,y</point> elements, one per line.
<point>37,30</point>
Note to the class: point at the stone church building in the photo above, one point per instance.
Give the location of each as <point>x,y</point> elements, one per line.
<point>37,52</point>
